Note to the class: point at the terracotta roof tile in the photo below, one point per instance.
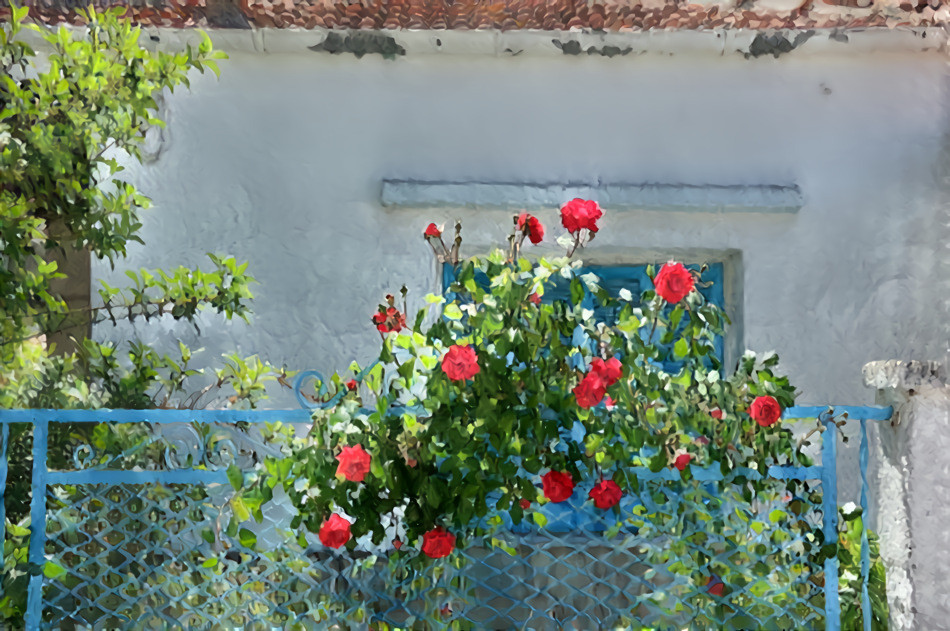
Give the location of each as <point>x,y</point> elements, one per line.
<point>506,15</point>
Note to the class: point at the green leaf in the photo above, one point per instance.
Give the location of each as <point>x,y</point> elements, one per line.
<point>577,291</point>
<point>539,519</point>
<point>241,512</point>
<point>681,348</point>
<point>247,538</point>
<point>614,530</point>
<point>828,551</point>
<point>15,530</point>
<point>676,317</point>
<point>53,570</point>
<point>235,477</point>
<point>207,534</point>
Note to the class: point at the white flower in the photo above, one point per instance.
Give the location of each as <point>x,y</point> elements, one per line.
<point>849,508</point>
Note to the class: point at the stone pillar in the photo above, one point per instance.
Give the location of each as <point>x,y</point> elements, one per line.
<point>913,490</point>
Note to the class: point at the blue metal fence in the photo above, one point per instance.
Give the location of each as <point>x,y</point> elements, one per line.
<point>45,596</point>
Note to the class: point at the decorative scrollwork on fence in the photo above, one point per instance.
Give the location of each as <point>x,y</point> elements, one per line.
<point>184,445</point>
<point>318,402</point>
<point>213,446</point>
<point>317,376</point>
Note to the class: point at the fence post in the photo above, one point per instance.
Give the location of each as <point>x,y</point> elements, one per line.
<point>912,490</point>
<point>865,546</point>
<point>829,509</point>
<point>4,441</point>
<point>37,554</point>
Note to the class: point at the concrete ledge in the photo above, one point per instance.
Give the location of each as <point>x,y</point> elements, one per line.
<point>781,199</point>
<point>903,375</point>
<point>575,43</point>
<point>583,44</point>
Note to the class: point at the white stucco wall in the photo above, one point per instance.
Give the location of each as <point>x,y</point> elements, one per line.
<point>280,162</point>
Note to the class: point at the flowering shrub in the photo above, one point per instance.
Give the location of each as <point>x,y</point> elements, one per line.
<point>491,401</point>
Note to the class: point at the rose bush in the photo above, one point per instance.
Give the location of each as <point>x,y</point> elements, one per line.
<point>491,400</point>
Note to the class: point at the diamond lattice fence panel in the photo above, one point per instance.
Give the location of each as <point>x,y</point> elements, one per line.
<point>678,554</point>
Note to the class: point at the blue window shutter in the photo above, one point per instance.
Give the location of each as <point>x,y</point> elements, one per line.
<point>613,279</point>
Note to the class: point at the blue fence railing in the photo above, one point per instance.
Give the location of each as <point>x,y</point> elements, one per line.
<point>90,529</point>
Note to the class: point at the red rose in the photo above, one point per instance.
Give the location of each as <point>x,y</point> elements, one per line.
<point>525,504</point>
<point>765,411</point>
<point>605,494</point>
<point>351,384</point>
<point>532,226</point>
<point>609,371</point>
<point>682,461</point>
<point>460,363</point>
<point>397,543</point>
<point>535,298</point>
<point>590,391</point>
<point>580,213</point>
<point>716,413</point>
<point>389,320</point>
<point>673,282</point>
<point>557,485</point>
<point>715,586</point>
<point>354,463</point>
<point>438,543</point>
<point>432,230</point>
<point>335,531</point>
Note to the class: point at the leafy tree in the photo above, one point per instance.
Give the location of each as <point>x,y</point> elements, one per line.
<point>67,118</point>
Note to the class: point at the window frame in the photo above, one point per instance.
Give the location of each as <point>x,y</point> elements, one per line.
<point>637,273</point>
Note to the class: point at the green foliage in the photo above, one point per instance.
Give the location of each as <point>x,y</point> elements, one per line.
<point>62,132</point>
<point>67,120</point>
<point>456,454</point>
<point>15,575</point>
<point>63,129</point>
<point>849,573</point>
<point>488,436</point>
